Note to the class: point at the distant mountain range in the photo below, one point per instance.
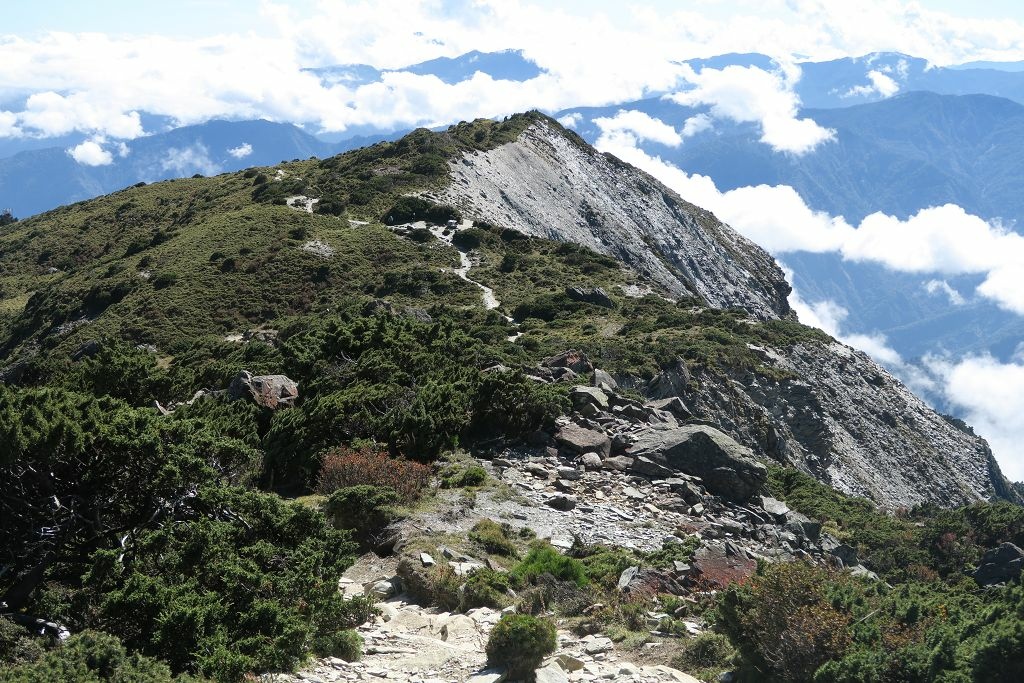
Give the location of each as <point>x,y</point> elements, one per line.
<point>857,80</point>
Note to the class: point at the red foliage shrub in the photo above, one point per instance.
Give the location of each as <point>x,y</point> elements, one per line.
<point>342,467</point>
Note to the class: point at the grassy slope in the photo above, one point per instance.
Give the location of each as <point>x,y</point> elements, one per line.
<point>186,261</point>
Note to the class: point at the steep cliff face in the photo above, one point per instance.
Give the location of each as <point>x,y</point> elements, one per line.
<point>837,415</point>
<point>841,417</point>
<point>548,183</point>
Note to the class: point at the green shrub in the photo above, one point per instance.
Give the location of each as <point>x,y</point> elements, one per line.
<point>544,559</point>
<point>486,588</point>
<point>364,510</point>
<point>520,642</point>
<point>88,657</point>
<point>17,646</point>
<point>458,476</point>
<point>346,644</point>
<point>493,538</point>
<point>604,564</point>
<point>708,650</point>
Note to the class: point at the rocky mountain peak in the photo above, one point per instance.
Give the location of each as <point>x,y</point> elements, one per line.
<point>549,183</point>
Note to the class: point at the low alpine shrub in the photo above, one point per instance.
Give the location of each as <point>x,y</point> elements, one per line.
<point>520,642</point>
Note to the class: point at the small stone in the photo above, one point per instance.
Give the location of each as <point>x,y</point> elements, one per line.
<point>563,502</point>
<point>427,560</point>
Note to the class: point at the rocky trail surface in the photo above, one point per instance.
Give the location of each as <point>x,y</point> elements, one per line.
<point>644,498</point>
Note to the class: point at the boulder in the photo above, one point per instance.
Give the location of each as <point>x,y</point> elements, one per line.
<point>591,461</point>
<point>727,468</point>
<point>774,507</point>
<point>802,526</point>
<point>561,502</point>
<point>582,396</point>
<point>717,566</point>
<point>571,360</point>
<point>649,468</point>
<point>670,382</point>
<point>579,439</point>
<point>999,565</point>
<point>602,380</point>
<point>673,405</point>
<point>269,391</point>
<point>590,295</point>
<point>552,673</point>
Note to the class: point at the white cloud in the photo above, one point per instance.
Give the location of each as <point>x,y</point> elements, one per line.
<point>9,124</point>
<point>829,316</point>
<point>941,240</point>
<point>943,287</point>
<point>880,83</point>
<point>99,83</point>
<point>242,151</point>
<point>640,127</point>
<point>750,94</point>
<point>990,396</point>
<point>571,120</point>
<point>189,160</point>
<point>91,153</point>
<point>697,124</point>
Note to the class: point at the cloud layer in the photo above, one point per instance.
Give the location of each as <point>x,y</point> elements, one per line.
<point>56,83</point>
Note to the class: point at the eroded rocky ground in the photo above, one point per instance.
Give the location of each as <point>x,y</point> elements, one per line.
<point>616,472</point>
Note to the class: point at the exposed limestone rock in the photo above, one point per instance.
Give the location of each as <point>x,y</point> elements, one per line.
<point>548,184</point>
<point>727,468</point>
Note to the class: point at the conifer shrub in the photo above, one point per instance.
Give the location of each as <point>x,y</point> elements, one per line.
<point>91,656</point>
<point>542,559</point>
<point>520,642</point>
<point>363,510</point>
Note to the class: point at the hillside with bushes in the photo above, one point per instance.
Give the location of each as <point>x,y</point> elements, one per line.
<point>219,396</point>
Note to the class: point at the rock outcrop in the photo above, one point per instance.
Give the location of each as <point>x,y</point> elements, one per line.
<point>727,468</point>
<point>999,565</point>
<point>831,412</point>
<point>269,391</point>
<point>551,184</point>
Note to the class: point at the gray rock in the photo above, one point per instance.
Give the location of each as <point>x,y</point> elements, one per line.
<point>775,508</point>
<point>727,468</point>
<point>674,405</point>
<point>561,502</point>
<point>802,526</point>
<point>591,461</point>
<point>582,396</point>
<point>671,382</point>
<point>590,295</point>
<point>627,576</point>
<point>602,380</point>
<point>619,463</point>
<point>649,468</point>
<point>570,473</point>
<point>552,673</point>
<point>999,565</point>
<point>427,560</point>
<point>575,361</point>
<point>579,439</point>
<point>269,391</point>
